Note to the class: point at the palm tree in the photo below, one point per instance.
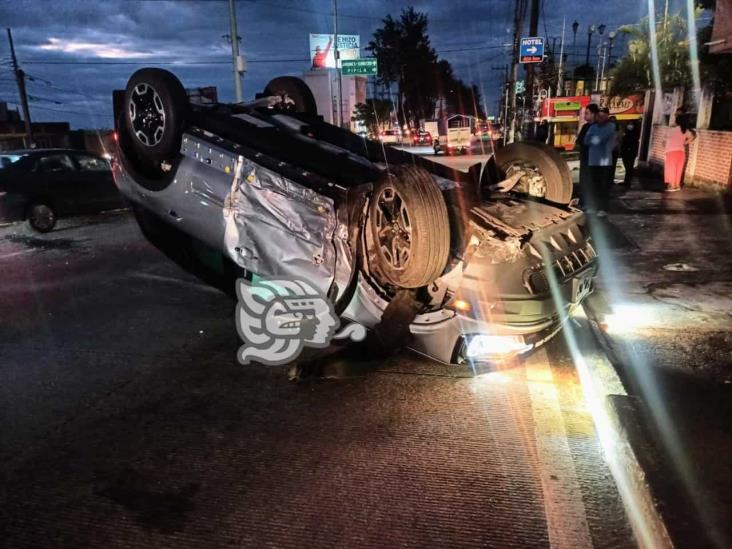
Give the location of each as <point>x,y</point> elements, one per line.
<point>634,72</point>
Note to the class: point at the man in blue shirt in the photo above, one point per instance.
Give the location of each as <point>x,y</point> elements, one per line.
<point>600,140</point>
<point>590,117</point>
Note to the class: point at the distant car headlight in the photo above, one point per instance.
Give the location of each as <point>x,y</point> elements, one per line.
<point>481,347</point>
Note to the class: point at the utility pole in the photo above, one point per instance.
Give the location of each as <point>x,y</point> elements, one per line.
<point>504,99</point>
<point>337,55</point>
<point>560,72</point>
<point>518,25</point>
<point>236,59</point>
<point>533,31</point>
<point>20,80</point>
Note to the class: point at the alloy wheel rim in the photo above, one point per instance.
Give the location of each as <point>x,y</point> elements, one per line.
<point>393,228</point>
<point>147,114</point>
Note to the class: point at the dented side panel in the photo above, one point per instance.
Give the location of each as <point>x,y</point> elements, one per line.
<point>278,228</point>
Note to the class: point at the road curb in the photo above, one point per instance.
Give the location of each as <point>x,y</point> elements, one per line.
<point>645,519</point>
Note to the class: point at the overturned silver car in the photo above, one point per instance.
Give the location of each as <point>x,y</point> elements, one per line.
<point>486,263</point>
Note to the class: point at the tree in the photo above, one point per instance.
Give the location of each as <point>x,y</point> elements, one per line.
<point>374,114</point>
<point>634,72</point>
<point>405,57</point>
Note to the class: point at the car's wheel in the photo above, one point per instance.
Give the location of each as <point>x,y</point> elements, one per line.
<point>41,217</point>
<point>410,230</point>
<point>295,93</point>
<point>546,173</point>
<point>156,108</point>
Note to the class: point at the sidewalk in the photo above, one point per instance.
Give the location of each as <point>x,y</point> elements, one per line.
<point>664,303</point>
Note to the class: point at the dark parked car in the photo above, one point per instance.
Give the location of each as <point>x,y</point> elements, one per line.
<point>42,185</point>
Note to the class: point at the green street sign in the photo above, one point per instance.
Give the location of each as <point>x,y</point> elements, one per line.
<point>358,67</point>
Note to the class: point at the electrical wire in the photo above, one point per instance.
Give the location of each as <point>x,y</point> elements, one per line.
<point>65,111</point>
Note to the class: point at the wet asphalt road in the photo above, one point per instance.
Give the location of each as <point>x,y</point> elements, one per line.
<point>127,422</point>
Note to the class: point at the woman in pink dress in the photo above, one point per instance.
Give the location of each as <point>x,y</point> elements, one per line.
<point>676,143</point>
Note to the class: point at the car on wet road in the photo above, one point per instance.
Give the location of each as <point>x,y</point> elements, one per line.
<point>41,185</point>
<point>474,264</point>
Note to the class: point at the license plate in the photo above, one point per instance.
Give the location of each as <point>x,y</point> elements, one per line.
<point>581,287</point>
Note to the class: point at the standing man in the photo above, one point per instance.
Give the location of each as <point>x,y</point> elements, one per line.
<point>589,116</point>
<point>600,140</point>
<point>629,150</point>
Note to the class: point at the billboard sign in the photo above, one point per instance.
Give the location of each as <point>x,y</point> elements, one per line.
<point>531,50</point>
<point>631,104</point>
<point>359,67</point>
<point>322,49</point>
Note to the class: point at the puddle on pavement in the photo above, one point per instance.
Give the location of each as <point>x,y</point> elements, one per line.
<point>43,243</point>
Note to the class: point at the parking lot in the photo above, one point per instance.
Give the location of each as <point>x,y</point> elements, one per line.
<point>128,422</point>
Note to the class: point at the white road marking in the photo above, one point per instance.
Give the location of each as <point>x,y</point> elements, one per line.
<point>566,516</point>
<point>21,252</point>
<point>173,280</point>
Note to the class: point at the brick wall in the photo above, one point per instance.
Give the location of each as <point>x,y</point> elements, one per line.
<point>710,158</point>
<point>712,152</point>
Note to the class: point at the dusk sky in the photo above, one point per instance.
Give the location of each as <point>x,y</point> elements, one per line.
<point>78,52</point>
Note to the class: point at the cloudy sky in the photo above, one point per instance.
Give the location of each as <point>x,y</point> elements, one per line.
<point>77,52</point>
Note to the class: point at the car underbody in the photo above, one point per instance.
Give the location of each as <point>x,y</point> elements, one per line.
<point>275,192</point>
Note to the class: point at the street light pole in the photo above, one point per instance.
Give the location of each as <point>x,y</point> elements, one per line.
<point>238,92</point>
<point>600,63</point>
<point>611,38</point>
<point>337,55</point>
<point>590,32</point>
<point>560,75</point>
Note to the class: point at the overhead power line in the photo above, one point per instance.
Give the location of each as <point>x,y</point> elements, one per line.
<point>66,111</point>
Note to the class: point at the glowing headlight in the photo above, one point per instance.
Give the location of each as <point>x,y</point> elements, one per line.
<point>482,347</point>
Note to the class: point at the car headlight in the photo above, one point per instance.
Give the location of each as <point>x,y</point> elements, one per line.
<point>486,347</point>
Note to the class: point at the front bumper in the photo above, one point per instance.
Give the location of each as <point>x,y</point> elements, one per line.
<point>447,340</point>
<point>443,335</point>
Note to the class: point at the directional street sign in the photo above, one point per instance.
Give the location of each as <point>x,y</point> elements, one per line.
<point>358,67</point>
<point>532,50</point>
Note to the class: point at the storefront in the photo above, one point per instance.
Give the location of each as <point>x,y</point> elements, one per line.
<point>564,115</point>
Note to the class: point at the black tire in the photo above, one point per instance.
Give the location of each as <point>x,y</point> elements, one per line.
<point>410,229</point>
<point>298,96</point>
<point>41,217</point>
<point>543,161</point>
<point>155,111</point>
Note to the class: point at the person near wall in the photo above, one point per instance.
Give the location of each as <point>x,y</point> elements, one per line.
<point>600,140</point>
<point>589,115</point>
<point>629,150</point>
<point>679,137</point>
